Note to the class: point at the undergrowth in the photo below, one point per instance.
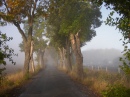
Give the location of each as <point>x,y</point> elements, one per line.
<point>10,82</point>
<point>116,90</point>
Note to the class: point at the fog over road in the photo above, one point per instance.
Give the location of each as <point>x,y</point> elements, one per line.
<point>52,83</point>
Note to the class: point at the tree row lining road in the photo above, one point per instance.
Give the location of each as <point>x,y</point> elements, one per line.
<point>52,83</point>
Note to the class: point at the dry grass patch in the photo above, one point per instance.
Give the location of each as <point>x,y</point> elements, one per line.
<point>104,83</point>
<point>98,81</point>
<point>11,81</point>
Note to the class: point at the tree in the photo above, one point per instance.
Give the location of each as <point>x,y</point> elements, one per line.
<point>57,39</point>
<point>59,42</point>
<point>5,52</point>
<point>122,23</point>
<point>75,20</point>
<point>16,12</point>
<point>38,40</point>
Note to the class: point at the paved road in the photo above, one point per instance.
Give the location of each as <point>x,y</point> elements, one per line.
<point>52,83</point>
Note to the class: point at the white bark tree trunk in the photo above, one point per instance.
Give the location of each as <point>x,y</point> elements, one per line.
<point>31,55</point>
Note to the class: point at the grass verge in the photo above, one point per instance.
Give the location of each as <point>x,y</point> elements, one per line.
<point>101,81</point>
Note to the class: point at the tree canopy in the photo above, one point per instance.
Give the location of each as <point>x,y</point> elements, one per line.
<point>71,16</point>
<point>72,22</point>
<point>19,11</point>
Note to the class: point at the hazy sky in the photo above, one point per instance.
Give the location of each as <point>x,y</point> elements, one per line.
<point>107,37</point>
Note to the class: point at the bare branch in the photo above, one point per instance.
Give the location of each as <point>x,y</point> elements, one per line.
<point>20,30</point>
<point>6,6</point>
<point>16,23</point>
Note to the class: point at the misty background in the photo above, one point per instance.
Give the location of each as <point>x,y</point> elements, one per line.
<point>102,57</point>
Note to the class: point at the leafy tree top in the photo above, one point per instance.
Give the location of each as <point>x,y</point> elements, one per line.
<point>19,11</point>
<point>71,16</point>
<point>38,34</point>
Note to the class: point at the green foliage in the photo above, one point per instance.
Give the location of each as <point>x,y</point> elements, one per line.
<point>126,59</point>
<point>116,90</point>
<point>71,17</point>
<point>121,7</point>
<point>5,52</point>
<point>19,10</point>
<point>39,34</point>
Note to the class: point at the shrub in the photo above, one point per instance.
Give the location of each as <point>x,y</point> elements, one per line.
<point>117,90</point>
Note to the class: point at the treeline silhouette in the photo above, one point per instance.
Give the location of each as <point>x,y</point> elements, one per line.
<point>102,57</point>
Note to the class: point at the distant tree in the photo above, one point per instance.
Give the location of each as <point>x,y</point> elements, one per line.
<point>59,42</point>
<point>39,39</point>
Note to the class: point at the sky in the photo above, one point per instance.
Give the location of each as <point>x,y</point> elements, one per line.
<point>107,37</point>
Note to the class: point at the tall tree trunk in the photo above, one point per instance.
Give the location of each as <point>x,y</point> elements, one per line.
<point>39,58</point>
<point>31,55</point>
<point>64,58</point>
<point>32,64</point>
<point>57,59</point>
<point>61,57</point>
<point>42,59</point>
<point>68,64</point>
<point>27,46</point>
<point>75,43</point>
<point>79,57</point>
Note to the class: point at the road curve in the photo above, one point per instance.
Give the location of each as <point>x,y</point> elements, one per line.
<point>52,83</point>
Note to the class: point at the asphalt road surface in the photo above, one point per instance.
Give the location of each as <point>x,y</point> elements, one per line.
<point>52,83</point>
